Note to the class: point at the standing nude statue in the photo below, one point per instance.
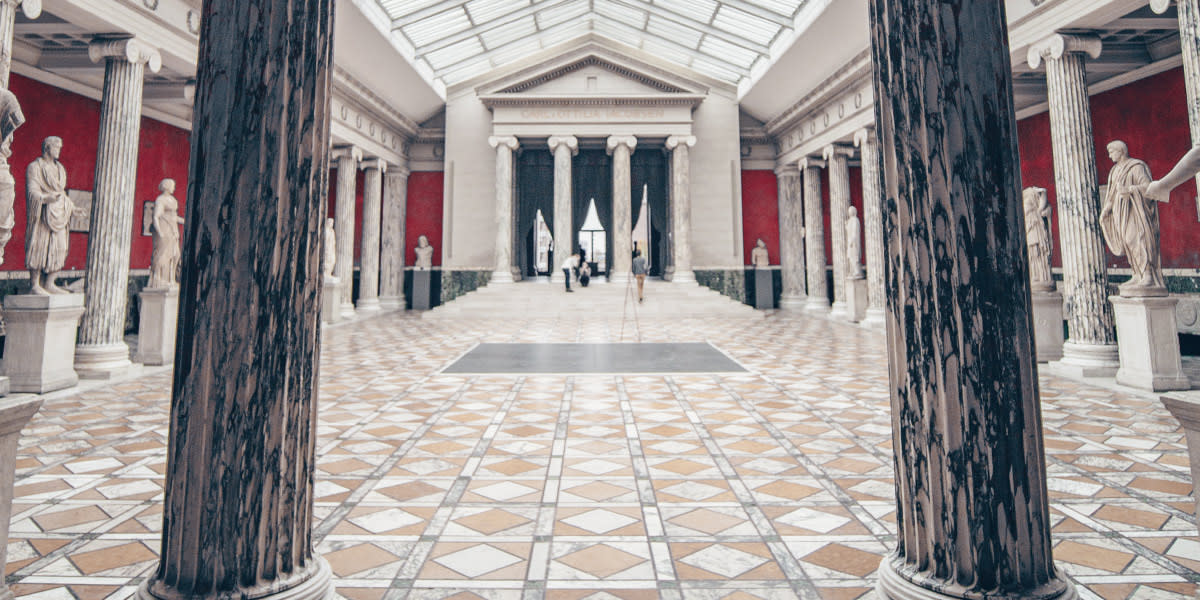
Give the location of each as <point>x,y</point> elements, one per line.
<point>759,256</point>
<point>48,212</point>
<point>1038,239</point>
<point>11,118</point>
<point>164,261</point>
<point>1129,221</point>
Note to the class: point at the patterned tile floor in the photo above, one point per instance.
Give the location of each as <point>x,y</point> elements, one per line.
<point>774,483</point>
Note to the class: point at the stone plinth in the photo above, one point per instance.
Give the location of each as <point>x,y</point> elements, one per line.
<point>39,352</point>
<point>1148,344</point>
<point>331,300</point>
<point>156,330</point>
<point>422,290</point>
<point>1048,325</point>
<point>857,299</point>
<point>14,414</point>
<point>764,289</point>
<point>1185,407</point>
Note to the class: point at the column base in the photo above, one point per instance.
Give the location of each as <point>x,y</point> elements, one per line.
<point>1148,342</point>
<point>874,318</point>
<point>368,305</point>
<point>314,583</point>
<point>816,305</point>
<point>793,302</point>
<point>331,301</point>
<point>102,361</point>
<point>1089,360</point>
<point>502,277</point>
<point>687,276</point>
<point>1048,325</point>
<point>894,586</point>
<point>621,278</point>
<point>391,302</point>
<point>839,310</point>
<point>40,345</point>
<point>347,310</point>
<point>156,330</point>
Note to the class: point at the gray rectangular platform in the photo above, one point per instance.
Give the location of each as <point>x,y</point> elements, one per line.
<point>592,359</point>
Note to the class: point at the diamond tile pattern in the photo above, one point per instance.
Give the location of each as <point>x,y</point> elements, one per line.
<point>774,483</point>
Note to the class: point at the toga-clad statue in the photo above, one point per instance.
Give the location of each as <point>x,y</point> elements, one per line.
<point>48,212</point>
<point>164,261</point>
<point>1129,220</point>
<point>11,118</point>
<point>759,256</point>
<point>1038,239</point>
<point>424,253</point>
<point>854,268</point>
<point>330,250</point>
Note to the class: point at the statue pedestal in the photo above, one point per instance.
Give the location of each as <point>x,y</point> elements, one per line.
<point>764,289</point>
<point>14,414</point>
<point>39,352</point>
<point>331,300</point>
<point>1048,325</point>
<point>1148,344</point>
<point>156,331</point>
<point>422,289</point>
<point>1185,407</point>
<point>856,300</point>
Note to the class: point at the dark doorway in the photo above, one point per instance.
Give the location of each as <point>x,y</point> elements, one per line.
<point>648,170</point>
<point>535,191</point>
<point>592,178</point>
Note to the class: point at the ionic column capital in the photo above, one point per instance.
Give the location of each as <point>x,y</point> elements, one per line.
<point>32,8</point>
<point>786,169</point>
<point>811,162</point>
<point>835,150</point>
<point>864,136</point>
<point>569,141</point>
<point>130,49</point>
<point>374,163</point>
<point>351,152</point>
<point>617,141</point>
<point>508,141</point>
<point>400,171</point>
<point>675,140</point>
<point>1160,6</point>
<point>1059,44</point>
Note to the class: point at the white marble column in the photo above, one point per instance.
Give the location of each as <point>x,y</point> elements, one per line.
<point>814,235</point>
<point>8,18</point>
<point>368,273</point>
<point>1091,347</point>
<point>791,237</point>
<point>347,158</point>
<point>872,225</point>
<point>100,351</point>
<point>1189,40</point>
<point>621,148</point>
<point>681,207</point>
<point>391,252</point>
<point>505,146</point>
<point>564,148</point>
<point>838,158</point>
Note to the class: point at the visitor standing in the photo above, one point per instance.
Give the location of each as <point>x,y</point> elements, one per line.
<point>568,269</point>
<point>639,273</point>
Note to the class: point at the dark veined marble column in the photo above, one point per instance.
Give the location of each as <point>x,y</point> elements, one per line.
<point>237,516</point>
<point>814,235</point>
<point>101,351</point>
<point>1091,347</point>
<point>791,237</point>
<point>973,517</point>
<point>368,277</point>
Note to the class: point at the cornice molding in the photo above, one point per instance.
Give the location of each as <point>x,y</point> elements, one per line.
<point>852,74</point>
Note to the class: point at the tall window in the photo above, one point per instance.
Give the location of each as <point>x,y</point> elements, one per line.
<point>592,240</point>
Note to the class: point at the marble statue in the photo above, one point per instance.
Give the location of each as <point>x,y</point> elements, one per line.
<point>854,268</point>
<point>330,249</point>
<point>1185,169</point>
<point>11,118</point>
<point>48,212</point>
<point>1129,221</point>
<point>424,253</point>
<point>164,226</point>
<point>759,257</point>
<point>1038,238</point>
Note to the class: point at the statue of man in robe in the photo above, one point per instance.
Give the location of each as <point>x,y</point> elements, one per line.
<point>330,250</point>
<point>11,118</point>
<point>48,212</point>
<point>853,226</point>
<point>1129,221</point>
<point>1038,239</point>
<point>164,261</point>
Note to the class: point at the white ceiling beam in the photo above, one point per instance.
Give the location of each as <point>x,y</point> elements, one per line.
<point>424,13</point>
<point>704,28</point>
<point>692,51</point>
<point>477,31</point>
<point>494,51</point>
<point>764,13</point>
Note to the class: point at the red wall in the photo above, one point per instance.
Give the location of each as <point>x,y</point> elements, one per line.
<point>424,214</point>
<point>163,152</point>
<point>1151,117</point>
<point>760,212</point>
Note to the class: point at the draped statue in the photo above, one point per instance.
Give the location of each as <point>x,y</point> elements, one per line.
<point>48,212</point>
<point>1129,221</point>
<point>1038,239</point>
<point>853,227</point>
<point>11,118</point>
<point>330,249</point>
<point>164,261</point>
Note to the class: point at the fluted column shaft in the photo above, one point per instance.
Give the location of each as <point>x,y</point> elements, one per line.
<point>502,273</point>
<point>621,148</point>
<point>237,515</point>
<point>391,253</point>
<point>872,224</point>
<point>681,207</point>
<point>1189,41</point>
<point>343,223</point>
<point>564,148</point>
<point>1090,326</point>
<point>368,278</point>
<point>839,206</point>
<point>101,349</point>
<point>8,18</point>
<point>973,519</point>
<point>791,237</point>
<point>814,235</point>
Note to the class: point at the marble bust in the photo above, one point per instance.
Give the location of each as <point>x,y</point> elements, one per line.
<point>424,254</point>
<point>759,257</point>
<point>164,260</point>
<point>1038,239</point>
<point>11,118</point>
<point>854,268</point>
<point>49,212</point>
<point>330,250</point>
<point>1129,221</point>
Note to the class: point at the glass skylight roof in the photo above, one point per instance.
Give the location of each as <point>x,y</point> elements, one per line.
<point>730,40</point>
